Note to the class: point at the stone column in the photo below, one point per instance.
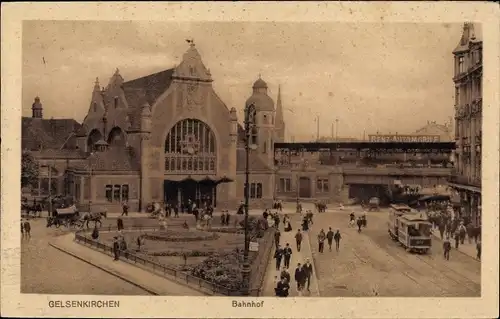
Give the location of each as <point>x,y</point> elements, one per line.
<point>232,159</point>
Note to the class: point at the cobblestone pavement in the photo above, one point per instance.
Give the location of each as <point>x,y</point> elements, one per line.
<point>47,270</point>
<point>372,264</point>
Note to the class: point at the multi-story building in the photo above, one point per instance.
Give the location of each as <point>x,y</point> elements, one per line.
<point>466,179</point>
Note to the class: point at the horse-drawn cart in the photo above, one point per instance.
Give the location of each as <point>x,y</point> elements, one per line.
<point>68,216</point>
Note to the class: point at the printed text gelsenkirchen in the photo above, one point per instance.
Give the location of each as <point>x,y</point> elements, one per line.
<point>84,304</point>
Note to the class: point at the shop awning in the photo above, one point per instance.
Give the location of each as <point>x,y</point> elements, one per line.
<point>202,179</point>
<point>465,187</point>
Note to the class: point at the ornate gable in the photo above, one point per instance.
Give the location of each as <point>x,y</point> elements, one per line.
<point>192,67</point>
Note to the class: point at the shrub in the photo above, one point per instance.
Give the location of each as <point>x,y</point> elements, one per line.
<point>221,269</point>
<point>181,236</point>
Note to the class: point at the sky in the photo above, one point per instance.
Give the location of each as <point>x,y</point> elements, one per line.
<point>386,78</point>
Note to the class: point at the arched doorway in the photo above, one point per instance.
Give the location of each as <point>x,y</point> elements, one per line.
<point>93,137</point>
<point>304,187</point>
<point>117,137</point>
<point>190,151</point>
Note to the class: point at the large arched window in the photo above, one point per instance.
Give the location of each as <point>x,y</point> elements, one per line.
<point>190,147</point>
<point>93,137</point>
<point>116,137</point>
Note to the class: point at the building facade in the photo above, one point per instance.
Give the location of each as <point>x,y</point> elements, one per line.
<point>466,179</point>
<point>165,137</point>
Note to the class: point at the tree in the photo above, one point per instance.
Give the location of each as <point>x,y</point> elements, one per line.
<point>29,170</point>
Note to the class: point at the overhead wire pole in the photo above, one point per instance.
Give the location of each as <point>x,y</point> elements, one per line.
<point>336,128</point>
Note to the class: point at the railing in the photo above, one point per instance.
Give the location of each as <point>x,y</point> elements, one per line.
<point>425,171</point>
<point>174,274</point>
<point>259,265</point>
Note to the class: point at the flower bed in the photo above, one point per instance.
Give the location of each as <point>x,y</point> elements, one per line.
<point>181,236</point>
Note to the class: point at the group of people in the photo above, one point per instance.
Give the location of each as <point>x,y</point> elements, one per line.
<point>330,236</point>
<point>302,277</point>
<point>360,221</point>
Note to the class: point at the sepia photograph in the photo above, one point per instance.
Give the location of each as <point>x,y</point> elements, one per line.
<point>249,159</point>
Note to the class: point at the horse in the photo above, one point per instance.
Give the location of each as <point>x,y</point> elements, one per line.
<point>94,217</point>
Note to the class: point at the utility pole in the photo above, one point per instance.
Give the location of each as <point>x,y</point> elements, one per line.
<point>333,132</point>
<point>336,128</point>
<point>317,128</point>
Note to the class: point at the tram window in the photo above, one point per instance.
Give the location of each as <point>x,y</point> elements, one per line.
<point>109,193</point>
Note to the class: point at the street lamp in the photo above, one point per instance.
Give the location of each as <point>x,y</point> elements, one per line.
<point>250,114</point>
<point>90,181</point>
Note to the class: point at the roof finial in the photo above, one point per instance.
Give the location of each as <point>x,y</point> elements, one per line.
<point>117,72</point>
<point>190,41</point>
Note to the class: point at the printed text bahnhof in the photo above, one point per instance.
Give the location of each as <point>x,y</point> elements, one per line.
<point>84,304</point>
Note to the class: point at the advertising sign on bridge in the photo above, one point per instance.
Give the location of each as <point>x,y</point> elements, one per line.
<point>404,138</point>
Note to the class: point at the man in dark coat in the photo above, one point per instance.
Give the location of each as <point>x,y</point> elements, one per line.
<point>359,222</point>
<point>277,235</point>
<point>282,289</point>
<point>446,248</point>
<point>337,238</point>
<point>27,229</point>
<point>300,277</point>
<point>329,237</point>
<point>308,271</point>
<point>278,255</point>
<point>287,254</point>
<point>125,209</point>
<point>285,274</point>
<point>298,239</point>
<point>119,224</point>
<point>116,248</point>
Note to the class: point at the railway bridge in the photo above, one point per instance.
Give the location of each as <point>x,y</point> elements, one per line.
<point>339,171</point>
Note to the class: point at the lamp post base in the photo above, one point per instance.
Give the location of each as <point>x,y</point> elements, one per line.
<point>245,272</point>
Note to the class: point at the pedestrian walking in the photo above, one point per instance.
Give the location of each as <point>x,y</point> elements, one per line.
<point>462,231</point>
<point>308,271</point>
<point>321,241</point>
<point>119,224</point>
<point>298,239</point>
<point>478,249</point>
<point>116,248</point>
<point>95,233</point>
<point>139,242</point>
<point>278,255</point>
<point>329,237</point>
<point>27,229</point>
<point>277,236</point>
<point>359,222</point>
<point>276,220</point>
<point>446,248</point>
<point>282,289</point>
<point>456,235</point>
<point>287,254</point>
<point>299,277</point>
<point>337,238</point>
<point>285,274</point>
<point>125,209</point>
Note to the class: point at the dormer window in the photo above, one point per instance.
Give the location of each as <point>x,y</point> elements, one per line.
<point>461,64</point>
<point>116,102</point>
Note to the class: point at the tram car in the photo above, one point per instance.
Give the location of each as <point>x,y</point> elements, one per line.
<point>410,228</point>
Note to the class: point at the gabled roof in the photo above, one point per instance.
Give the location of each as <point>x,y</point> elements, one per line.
<point>39,133</point>
<point>148,87</point>
<point>256,163</point>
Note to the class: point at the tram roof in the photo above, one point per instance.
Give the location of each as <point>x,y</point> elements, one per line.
<point>314,146</point>
<point>415,217</point>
